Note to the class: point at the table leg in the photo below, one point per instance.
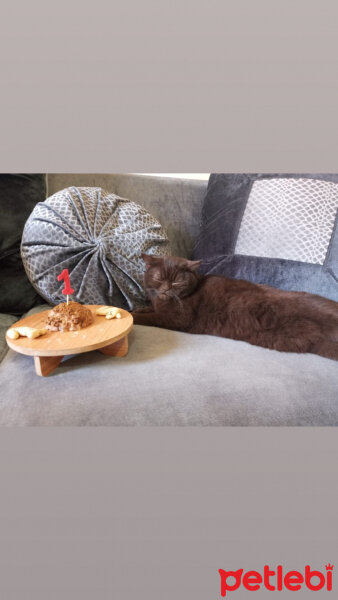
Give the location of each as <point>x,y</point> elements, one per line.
<point>46,364</point>
<point>119,348</point>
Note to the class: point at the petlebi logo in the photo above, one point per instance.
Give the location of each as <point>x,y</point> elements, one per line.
<point>277,579</point>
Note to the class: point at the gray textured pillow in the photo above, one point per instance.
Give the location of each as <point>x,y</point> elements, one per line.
<point>99,238</point>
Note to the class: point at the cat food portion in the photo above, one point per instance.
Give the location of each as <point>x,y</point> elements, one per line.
<point>69,317</point>
<point>110,312</point>
<point>15,332</point>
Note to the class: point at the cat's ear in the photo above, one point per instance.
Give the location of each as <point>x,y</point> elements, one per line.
<point>194,264</point>
<point>149,260</point>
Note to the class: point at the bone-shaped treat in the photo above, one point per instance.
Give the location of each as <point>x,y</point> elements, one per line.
<point>110,312</point>
<point>30,332</point>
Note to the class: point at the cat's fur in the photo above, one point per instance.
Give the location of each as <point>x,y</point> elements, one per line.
<point>183,300</point>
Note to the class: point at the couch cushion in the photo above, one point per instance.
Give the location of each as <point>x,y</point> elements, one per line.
<point>19,194</point>
<point>172,378</point>
<point>99,238</point>
<point>271,228</point>
<point>175,202</point>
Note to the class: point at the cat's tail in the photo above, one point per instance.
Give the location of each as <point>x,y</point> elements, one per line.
<point>325,313</point>
<point>319,308</point>
<point>330,331</point>
<point>332,334</point>
<point>326,348</point>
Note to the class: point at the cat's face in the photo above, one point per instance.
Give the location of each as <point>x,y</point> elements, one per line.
<point>169,277</point>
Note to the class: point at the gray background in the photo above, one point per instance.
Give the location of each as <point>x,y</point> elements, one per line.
<point>169,86</point>
<point>158,86</point>
<point>154,513</point>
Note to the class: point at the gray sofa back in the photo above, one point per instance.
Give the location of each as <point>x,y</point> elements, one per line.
<point>176,203</point>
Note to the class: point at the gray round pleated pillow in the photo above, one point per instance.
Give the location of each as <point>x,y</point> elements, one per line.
<point>99,238</point>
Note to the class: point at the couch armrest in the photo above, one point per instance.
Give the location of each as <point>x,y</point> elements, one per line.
<point>5,322</point>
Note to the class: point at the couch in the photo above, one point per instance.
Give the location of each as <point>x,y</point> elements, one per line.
<point>167,378</point>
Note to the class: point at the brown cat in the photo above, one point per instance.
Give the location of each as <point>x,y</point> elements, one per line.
<point>183,300</point>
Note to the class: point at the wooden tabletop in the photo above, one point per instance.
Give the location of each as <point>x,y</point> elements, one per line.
<point>102,332</point>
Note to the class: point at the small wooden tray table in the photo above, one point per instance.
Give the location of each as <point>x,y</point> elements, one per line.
<point>109,336</point>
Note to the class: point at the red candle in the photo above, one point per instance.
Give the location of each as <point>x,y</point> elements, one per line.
<point>65,277</point>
